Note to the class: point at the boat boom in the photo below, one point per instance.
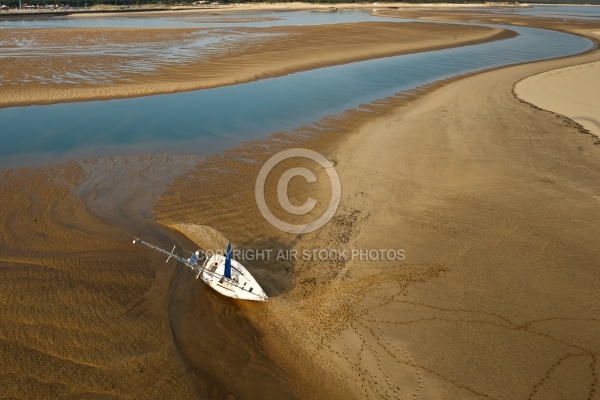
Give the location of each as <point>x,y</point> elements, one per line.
<point>192,265</point>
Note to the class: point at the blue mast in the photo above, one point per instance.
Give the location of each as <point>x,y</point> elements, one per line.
<point>227,273</point>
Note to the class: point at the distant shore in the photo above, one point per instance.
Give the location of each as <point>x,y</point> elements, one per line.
<point>45,13</point>
<point>82,12</point>
<point>106,10</point>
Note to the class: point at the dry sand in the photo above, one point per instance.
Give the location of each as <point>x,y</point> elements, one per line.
<point>571,91</point>
<point>494,202</point>
<point>257,53</point>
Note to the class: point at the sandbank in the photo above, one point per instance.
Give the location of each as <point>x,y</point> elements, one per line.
<point>258,53</point>
<point>570,91</point>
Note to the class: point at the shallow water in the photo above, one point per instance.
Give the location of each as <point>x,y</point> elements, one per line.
<point>208,121</point>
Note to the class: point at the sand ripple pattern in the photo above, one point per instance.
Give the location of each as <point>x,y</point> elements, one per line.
<point>101,56</point>
<point>59,65</point>
<point>75,319</point>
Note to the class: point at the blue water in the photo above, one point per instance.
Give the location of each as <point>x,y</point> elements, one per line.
<point>209,121</point>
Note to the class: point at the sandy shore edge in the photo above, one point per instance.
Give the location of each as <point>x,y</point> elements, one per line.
<point>294,6</point>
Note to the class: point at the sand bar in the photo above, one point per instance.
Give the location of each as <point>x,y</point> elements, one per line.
<point>571,91</point>
<point>268,52</point>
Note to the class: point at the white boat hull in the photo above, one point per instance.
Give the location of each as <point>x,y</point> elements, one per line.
<point>241,285</point>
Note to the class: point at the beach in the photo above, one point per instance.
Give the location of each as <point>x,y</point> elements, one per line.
<point>489,202</point>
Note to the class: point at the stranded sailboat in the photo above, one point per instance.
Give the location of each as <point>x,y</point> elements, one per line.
<point>221,273</point>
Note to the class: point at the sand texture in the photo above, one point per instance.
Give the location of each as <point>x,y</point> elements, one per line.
<point>138,62</point>
<point>87,314</point>
<point>511,224</point>
<point>76,321</point>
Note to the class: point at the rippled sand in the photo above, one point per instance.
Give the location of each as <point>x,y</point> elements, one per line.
<point>88,314</point>
<point>496,297</point>
<point>76,319</point>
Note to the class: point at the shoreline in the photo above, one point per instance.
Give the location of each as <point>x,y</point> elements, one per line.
<point>289,6</point>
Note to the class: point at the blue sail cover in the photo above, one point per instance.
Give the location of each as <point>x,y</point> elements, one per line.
<point>227,273</point>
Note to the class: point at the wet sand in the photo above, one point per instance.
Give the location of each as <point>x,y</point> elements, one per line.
<point>81,301</point>
<point>258,53</point>
<point>494,203</point>
<point>80,313</point>
<point>87,314</point>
